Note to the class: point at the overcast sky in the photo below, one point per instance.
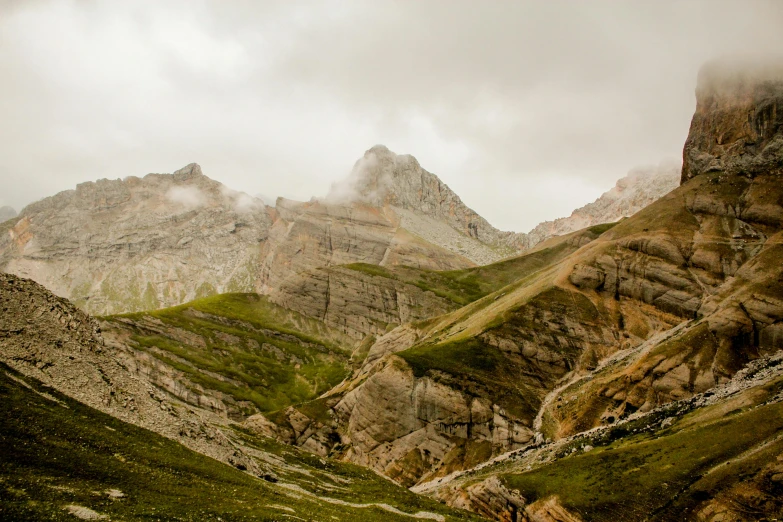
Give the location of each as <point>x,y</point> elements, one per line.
<point>526,109</point>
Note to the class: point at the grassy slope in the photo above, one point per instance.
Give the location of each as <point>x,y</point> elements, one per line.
<point>56,452</point>
<point>266,355</point>
<point>665,475</point>
<point>452,344</point>
<point>468,285</point>
<point>518,283</point>
<point>474,366</point>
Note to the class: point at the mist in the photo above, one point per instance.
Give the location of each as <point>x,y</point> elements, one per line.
<point>527,110</point>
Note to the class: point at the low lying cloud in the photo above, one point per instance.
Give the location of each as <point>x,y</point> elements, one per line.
<point>240,201</point>
<point>188,196</point>
<point>668,168</point>
<point>364,183</point>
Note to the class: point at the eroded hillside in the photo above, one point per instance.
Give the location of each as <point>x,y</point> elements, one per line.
<point>669,303</point>
<point>85,436</point>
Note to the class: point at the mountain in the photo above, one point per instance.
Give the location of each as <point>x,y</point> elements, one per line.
<point>641,187</point>
<point>421,201</point>
<point>7,213</point>
<point>627,370</point>
<point>665,307</point>
<point>434,231</point>
<point>138,243</point>
<point>84,437</point>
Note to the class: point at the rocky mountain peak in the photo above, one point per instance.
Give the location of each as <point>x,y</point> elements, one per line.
<point>380,177</point>
<point>129,244</point>
<point>189,172</point>
<point>7,213</point>
<point>738,123</point>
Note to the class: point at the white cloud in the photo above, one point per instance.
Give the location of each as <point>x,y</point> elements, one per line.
<point>239,201</point>
<point>347,190</point>
<point>282,97</point>
<point>186,195</point>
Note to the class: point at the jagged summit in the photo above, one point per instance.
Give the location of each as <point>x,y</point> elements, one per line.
<point>189,171</point>
<point>382,177</point>
<point>738,123</point>
<point>424,204</point>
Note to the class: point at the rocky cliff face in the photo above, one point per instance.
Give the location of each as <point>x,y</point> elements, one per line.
<point>358,303</point>
<point>694,446</point>
<point>139,243</point>
<point>738,119</point>
<point>310,235</point>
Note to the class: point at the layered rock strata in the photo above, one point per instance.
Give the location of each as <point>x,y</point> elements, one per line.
<point>139,243</point>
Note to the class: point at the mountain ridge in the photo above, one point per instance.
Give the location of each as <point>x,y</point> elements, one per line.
<point>137,244</point>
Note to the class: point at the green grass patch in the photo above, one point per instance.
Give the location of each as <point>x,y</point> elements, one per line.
<point>466,286</point>
<point>58,454</point>
<point>242,346</point>
<point>641,476</point>
<point>477,369</point>
<point>603,227</point>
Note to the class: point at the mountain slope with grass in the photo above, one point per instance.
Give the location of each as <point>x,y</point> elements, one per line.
<point>715,456</point>
<point>236,354</point>
<point>63,460</point>
<point>85,437</point>
<point>364,300</point>
<point>665,305</point>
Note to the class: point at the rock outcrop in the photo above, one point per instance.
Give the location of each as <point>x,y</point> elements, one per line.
<point>139,243</point>
<point>311,235</point>
<point>736,128</point>
<point>357,303</point>
<point>695,446</point>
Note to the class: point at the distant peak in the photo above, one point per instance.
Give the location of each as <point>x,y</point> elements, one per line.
<point>7,213</point>
<point>375,177</point>
<point>379,149</point>
<point>192,170</point>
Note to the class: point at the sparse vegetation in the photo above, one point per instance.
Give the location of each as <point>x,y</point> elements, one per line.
<point>242,346</point>
<point>64,453</point>
<point>477,368</point>
<point>466,286</point>
<point>665,474</point>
